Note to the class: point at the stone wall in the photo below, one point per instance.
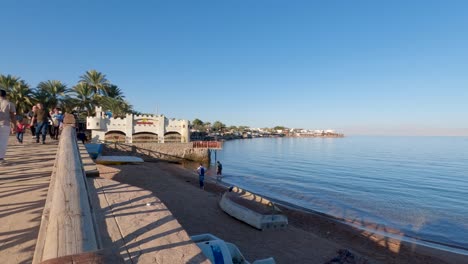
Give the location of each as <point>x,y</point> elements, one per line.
<point>163,151</point>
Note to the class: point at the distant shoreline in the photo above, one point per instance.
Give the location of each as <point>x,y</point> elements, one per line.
<point>234,137</point>
<point>319,136</point>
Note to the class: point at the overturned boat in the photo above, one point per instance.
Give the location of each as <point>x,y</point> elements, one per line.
<point>252,209</point>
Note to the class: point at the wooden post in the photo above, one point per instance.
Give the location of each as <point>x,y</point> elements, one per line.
<point>69,227</point>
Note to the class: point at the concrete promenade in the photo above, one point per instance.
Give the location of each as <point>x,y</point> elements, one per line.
<point>24,182</point>
<point>132,223</point>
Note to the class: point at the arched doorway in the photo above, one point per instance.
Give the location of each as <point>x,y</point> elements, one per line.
<point>115,136</point>
<point>144,137</point>
<point>172,137</point>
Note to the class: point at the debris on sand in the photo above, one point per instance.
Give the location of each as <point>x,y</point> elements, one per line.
<point>347,257</point>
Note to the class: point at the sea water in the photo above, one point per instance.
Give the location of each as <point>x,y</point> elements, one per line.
<point>416,186</point>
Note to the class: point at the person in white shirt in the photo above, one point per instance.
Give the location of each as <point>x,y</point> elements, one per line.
<point>7,116</point>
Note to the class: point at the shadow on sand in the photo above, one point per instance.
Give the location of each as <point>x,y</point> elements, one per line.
<point>131,246</point>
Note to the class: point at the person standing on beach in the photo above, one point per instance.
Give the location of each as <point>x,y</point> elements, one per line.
<point>7,116</point>
<point>201,176</point>
<point>41,116</point>
<point>219,168</point>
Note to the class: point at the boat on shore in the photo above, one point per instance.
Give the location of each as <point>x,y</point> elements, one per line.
<point>220,252</point>
<point>252,209</point>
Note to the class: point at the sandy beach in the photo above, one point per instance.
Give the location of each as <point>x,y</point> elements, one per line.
<point>309,238</point>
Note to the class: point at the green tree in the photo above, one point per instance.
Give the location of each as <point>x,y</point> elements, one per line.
<point>69,104</point>
<point>7,82</point>
<point>97,81</point>
<point>279,128</point>
<point>113,91</point>
<point>118,108</point>
<point>21,95</point>
<point>83,97</point>
<point>52,92</point>
<point>197,124</point>
<point>41,96</point>
<point>207,126</point>
<point>218,126</point>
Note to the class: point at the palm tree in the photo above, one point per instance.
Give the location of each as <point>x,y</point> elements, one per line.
<point>118,108</point>
<point>84,98</point>
<point>113,91</point>
<point>97,81</point>
<point>22,95</point>
<point>69,104</point>
<point>52,92</point>
<point>41,96</point>
<point>8,81</point>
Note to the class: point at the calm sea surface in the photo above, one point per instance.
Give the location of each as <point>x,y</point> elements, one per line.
<point>416,185</point>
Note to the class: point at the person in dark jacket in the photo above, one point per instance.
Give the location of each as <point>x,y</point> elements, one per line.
<point>201,176</point>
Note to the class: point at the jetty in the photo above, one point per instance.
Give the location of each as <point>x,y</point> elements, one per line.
<point>54,209</point>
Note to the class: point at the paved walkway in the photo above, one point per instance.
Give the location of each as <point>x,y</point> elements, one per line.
<point>24,182</point>
<point>136,225</point>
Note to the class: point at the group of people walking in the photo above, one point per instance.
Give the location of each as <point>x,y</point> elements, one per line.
<point>41,122</point>
<point>38,120</point>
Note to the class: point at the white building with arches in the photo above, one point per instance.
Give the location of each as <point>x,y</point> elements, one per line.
<point>137,128</point>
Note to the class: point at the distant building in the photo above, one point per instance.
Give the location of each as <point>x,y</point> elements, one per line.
<point>137,128</point>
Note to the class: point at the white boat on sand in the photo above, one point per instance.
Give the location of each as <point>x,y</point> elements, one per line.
<point>220,252</point>
<point>117,160</point>
<point>252,209</point>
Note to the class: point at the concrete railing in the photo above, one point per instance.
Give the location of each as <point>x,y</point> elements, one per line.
<point>67,226</point>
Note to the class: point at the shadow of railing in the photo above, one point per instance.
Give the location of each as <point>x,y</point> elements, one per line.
<point>23,186</point>
<point>138,238</point>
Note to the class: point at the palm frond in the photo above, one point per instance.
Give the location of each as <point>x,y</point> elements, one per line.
<point>7,82</point>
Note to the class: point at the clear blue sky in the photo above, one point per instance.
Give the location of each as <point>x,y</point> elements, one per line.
<point>362,67</point>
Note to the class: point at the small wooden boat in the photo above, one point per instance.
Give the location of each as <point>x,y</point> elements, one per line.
<point>252,209</point>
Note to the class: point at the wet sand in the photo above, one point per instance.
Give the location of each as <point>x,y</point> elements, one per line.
<point>309,238</point>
